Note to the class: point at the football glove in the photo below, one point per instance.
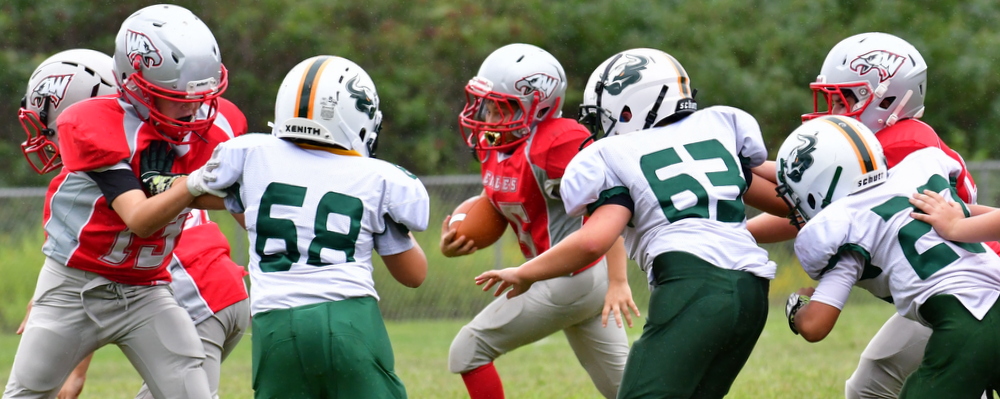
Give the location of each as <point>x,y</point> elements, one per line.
<point>197,182</point>
<point>795,302</point>
<point>155,164</point>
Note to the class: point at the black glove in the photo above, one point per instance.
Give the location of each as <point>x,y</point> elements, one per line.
<point>155,163</point>
<point>792,306</point>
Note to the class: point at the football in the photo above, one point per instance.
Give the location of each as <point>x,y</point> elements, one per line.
<point>479,221</point>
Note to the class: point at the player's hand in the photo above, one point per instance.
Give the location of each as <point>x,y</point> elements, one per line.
<point>938,212</point>
<point>198,181</point>
<point>794,303</point>
<point>73,387</point>
<point>507,278</point>
<point>452,246</point>
<point>155,164</point>
<point>618,302</point>
<point>20,329</point>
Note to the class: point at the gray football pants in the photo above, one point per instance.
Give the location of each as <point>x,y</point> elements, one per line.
<point>219,335</point>
<point>571,304</point>
<point>76,312</point>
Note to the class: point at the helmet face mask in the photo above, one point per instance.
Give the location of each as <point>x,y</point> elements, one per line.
<point>517,87</point>
<point>58,82</point>
<point>826,159</point>
<point>166,53</point>
<point>337,108</point>
<point>635,90</point>
<point>887,76</point>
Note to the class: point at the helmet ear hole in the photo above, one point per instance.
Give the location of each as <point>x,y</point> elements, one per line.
<point>626,114</point>
<point>542,112</point>
<point>887,102</point>
<point>811,199</point>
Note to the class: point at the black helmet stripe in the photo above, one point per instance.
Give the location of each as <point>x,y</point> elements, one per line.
<point>303,106</point>
<point>861,149</point>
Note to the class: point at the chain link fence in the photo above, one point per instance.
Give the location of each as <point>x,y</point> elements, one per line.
<point>448,292</point>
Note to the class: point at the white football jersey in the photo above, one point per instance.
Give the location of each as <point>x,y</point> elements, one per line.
<point>687,183</point>
<point>315,217</point>
<point>870,240</point>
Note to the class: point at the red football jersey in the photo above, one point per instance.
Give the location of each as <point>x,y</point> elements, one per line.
<point>207,280</point>
<point>81,230</point>
<point>909,135</point>
<point>524,184</point>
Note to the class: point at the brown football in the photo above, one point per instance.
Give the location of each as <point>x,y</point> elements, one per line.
<point>479,221</point>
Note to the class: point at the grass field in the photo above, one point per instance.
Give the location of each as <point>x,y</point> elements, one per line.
<point>782,365</point>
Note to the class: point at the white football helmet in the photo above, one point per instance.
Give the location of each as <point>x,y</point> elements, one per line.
<point>165,51</point>
<point>60,81</point>
<point>885,75</point>
<point>824,160</point>
<point>520,84</point>
<point>329,101</point>
<point>634,90</point>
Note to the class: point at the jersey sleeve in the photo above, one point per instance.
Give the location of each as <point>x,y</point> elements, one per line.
<point>749,140</point>
<point>564,146</point>
<point>84,142</point>
<point>237,120</point>
<point>407,202</point>
<point>587,181</point>
<point>835,285</point>
<point>394,240</point>
<point>225,167</point>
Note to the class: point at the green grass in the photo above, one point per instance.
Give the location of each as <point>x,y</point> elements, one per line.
<point>782,365</point>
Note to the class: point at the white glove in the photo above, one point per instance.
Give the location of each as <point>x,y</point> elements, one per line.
<point>197,183</point>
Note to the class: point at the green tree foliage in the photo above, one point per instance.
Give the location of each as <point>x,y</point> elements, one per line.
<point>755,55</point>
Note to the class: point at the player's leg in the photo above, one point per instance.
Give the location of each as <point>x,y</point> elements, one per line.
<point>893,353</point>
<point>749,303</point>
<point>336,349</point>
<point>960,358</point>
<point>57,336</point>
<point>693,314</point>
<point>159,339</point>
<point>601,350</point>
<point>277,371</point>
<point>507,324</point>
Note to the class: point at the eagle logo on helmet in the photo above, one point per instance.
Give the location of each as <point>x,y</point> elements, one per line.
<point>886,64</point>
<point>366,100</point>
<point>140,50</point>
<point>802,157</point>
<point>624,75</point>
<point>542,83</point>
<point>52,88</point>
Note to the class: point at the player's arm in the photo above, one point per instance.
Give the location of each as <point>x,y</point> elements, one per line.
<point>813,313</point>
<point>813,319</point>
<point>595,238</point>
<point>144,216</point>
<point>408,267</point>
<point>767,228</point>
<point>618,300</point>
<point>949,221</point>
<point>73,386</point>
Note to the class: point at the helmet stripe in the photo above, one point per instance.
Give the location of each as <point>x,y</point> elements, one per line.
<point>304,102</point>
<point>866,158</point>
<point>682,77</point>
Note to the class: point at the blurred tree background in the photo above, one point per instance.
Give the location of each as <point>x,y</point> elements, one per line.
<point>756,55</point>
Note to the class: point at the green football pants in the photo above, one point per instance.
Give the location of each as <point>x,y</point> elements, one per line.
<point>336,349</point>
<point>962,357</point>
<point>703,321</point>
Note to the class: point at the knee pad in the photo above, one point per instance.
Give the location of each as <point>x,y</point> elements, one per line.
<point>467,352</point>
